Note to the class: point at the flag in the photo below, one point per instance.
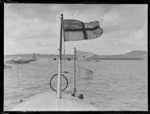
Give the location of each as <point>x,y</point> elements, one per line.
<point>78,30</point>
<point>85,73</point>
<point>82,55</point>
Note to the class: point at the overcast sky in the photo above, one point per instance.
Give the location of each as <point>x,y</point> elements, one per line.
<point>35,28</point>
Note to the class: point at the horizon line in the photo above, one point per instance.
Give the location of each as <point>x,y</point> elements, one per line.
<point>67,53</point>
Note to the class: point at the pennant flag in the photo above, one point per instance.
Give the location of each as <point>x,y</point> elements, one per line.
<point>77,30</point>
<point>85,73</point>
<point>82,55</point>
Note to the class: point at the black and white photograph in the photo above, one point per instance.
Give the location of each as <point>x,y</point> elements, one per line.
<point>75,57</point>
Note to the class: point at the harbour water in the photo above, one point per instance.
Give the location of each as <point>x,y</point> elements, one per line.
<point>117,85</point>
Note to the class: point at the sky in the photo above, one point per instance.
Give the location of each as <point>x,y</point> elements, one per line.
<point>35,28</point>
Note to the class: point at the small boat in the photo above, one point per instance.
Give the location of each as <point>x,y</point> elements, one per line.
<point>20,60</point>
<point>6,66</point>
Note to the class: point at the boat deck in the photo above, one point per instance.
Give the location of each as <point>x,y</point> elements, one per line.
<point>48,101</point>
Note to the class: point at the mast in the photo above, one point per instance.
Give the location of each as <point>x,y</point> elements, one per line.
<point>74,72</point>
<point>60,61</point>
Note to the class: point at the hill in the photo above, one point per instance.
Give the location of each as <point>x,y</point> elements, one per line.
<point>133,55</point>
<point>136,53</point>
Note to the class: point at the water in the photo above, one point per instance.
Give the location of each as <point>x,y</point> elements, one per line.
<point>117,85</point>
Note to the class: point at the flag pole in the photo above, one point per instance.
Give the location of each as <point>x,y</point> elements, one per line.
<point>78,64</point>
<point>74,93</point>
<point>60,62</point>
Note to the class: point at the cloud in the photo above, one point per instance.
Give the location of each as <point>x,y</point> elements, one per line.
<point>56,7</point>
<point>26,28</point>
<point>37,27</point>
<point>137,39</point>
<point>122,17</point>
<point>29,28</point>
<point>112,19</point>
<point>31,33</point>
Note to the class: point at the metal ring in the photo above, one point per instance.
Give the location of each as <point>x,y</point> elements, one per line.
<point>51,82</point>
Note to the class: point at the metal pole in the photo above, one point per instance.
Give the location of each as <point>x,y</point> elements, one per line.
<point>60,62</point>
<point>74,71</point>
<point>64,45</point>
<point>64,56</point>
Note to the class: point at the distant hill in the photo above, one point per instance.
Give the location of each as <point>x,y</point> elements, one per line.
<point>136,53</point>
<point>133,55</point>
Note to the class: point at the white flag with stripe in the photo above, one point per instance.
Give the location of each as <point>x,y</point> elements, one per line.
<point>85,73</point>
<point>77,30</point>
